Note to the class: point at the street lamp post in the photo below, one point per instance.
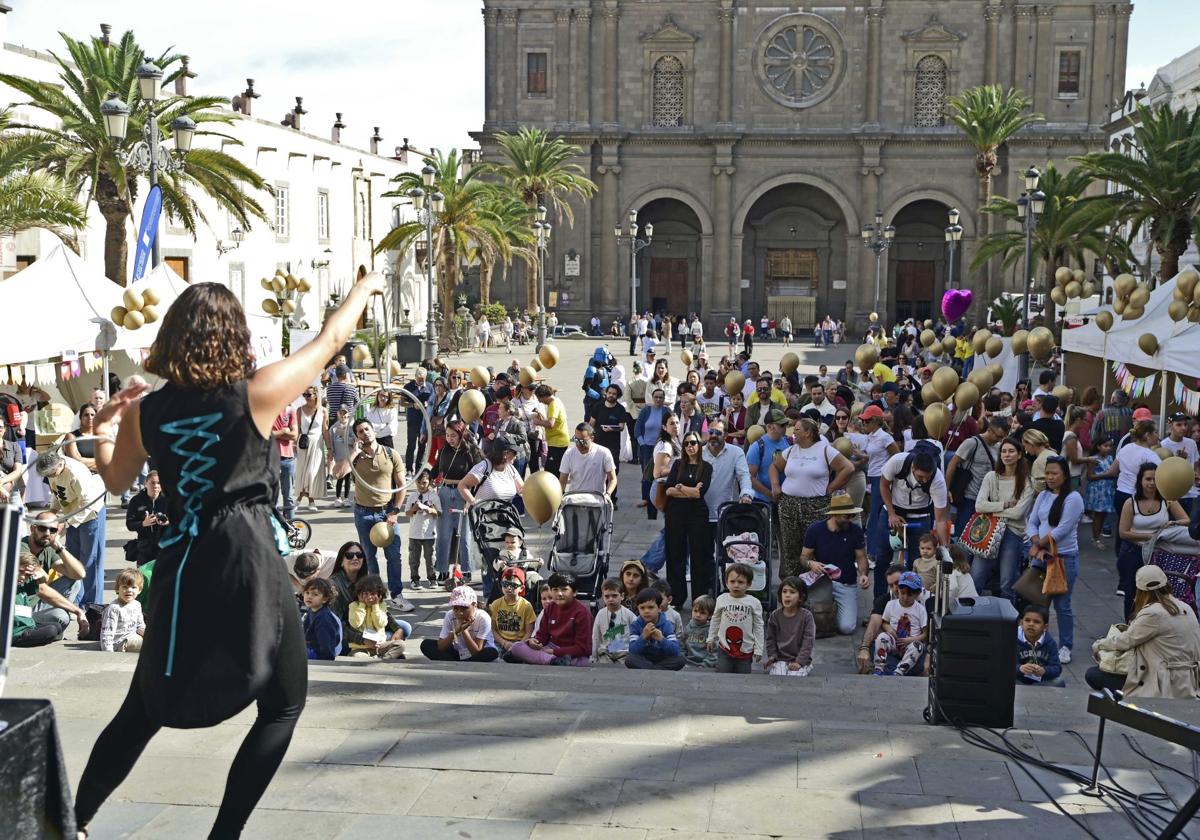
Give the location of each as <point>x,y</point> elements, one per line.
<point>878,238</point>
<point>148,155</point>
<point>1029,207</point>
<point>953,235</point>
<point>635,244</point>
<point>542,228</point>
<point>425,215</point>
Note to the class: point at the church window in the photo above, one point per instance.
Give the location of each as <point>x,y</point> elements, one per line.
<point>535,73</point>
<point>929,92</point>
<point>668,87</point>
<point>1069,62</point>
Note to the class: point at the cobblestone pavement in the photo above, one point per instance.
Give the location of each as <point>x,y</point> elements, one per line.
<point>427,750</point>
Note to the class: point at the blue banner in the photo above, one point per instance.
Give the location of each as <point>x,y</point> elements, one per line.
<point>147,231</point>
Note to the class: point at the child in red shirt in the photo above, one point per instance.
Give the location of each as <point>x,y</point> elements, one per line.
<point>564,634</point>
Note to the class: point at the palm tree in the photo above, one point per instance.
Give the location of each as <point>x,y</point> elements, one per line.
<point>33,199</point>
<point>1160,181</point>
<point>1070,226</point>
<point>512,219</point>
<point>988,115</point>
<point>84,156</point>
<point>466,223</point>
<point>541,167</point>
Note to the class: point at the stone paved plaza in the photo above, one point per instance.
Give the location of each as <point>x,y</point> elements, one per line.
<point>423,750</point>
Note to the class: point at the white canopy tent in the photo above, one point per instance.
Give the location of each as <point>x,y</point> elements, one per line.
<point>57,305</point>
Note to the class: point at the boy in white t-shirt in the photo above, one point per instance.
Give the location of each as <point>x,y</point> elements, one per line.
<point>423,511</point>
<point>905,628</point>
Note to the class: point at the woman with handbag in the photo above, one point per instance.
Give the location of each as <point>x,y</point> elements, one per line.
<point>454,460</point>
<point>881,445</point>
<point>1137,450</point>
<point>310,465</point>
<point>688,533</point>
<point>1160,647</point>
<point>647,433</point>
<point>1143,516</point>
<point>995,533</point>
<point>1054,542</point>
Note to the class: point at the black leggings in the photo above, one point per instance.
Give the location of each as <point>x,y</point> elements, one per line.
<point>343,486</point>
<point>279,706</point>
<point>429,647</point>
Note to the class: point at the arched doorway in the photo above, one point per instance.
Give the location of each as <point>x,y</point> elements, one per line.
<point>672,264</point>
<point>919,260</point>
<point>793,253</point>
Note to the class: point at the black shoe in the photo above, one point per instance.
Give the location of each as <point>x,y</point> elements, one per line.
<point>415,585</point>
<point>466,577</point>
<point>508,657</point>
<point>561,660</point>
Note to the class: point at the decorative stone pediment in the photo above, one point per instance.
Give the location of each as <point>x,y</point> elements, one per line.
<point>1159,87</point>
<point>670,34</point>
<point>934,32</point>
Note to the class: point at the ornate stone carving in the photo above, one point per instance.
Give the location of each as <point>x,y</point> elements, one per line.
<point>933,32</point>
<point>508,17</point>
<point>1024,11</point>
<point>874,14</point>
<point>668,93</point>
<point>800,59</point>
<point>583,15</point>
<point>992,13</point>
<point>670,33</point>
<point>1123,10</point>
<point>562,15</point>
<point>490,16</point>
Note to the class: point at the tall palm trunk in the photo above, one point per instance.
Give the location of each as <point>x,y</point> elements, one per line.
<point>448,260</point>
<point>116,218</point>
<point>1175,246</point>
<point>486,267</point>
<point>984,227</point>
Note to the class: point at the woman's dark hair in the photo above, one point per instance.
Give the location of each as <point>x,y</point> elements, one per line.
<point>663,434</point>
<point>371,584</point>
<point>341,557</point>
<point>1064,490</point>
<point>86,405</point>
<point>204,342</point>
<point>1020,467</point>
<point>1148,466</point>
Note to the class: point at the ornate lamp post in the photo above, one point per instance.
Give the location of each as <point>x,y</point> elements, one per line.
<point>286,291</point>
<point>953,235</point>
<point>878,238</point>
<point>1029,207</point>
<point>635,245</point>
<point>426,216</point>
<point>237,235</point>
<point>542,228</point>
<point>148,155</point>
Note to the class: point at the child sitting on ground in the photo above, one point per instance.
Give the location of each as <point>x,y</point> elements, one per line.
<point>905,629</point>
<point>695,635</point>
<point>122,626</point>
<point>305,566</point>
<point>512,616</point>
<point>736,630</point>
<point>564,636</point>
<point>544,599</point>
<point>961,584</point>
<point>653,645</point>
<point>1037,652</point>
<point>791,632</point>
<point>322,629</point>
<point>664,589</point>
<point>633,581</point>
<point>610,630</point>
<point>466,632</point>
<point>371,624</point>
<point>424,508</point>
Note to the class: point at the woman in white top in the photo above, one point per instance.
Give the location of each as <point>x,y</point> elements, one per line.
<point>1077,420</point>
<point>525,407</point>
<point>1006,493</point>
<point>310,458</point>
<point>383,418</point>
<point>661,378</point>
<point>801,486</point>
<point>1143,516</point>
<point>879,447</point>
<point>1125,467</point>
<point>484,330</point>
<point>1037,447</point>
<point>495,477</point>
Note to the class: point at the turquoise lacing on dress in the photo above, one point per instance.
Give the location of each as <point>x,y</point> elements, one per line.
<point>192,487</point>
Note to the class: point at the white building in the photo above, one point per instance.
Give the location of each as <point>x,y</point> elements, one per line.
<point>325,218</point>
<point>1176,84</point>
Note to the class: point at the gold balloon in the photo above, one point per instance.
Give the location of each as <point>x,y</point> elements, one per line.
<point>1089,290</point>
<point>480,376</point>
<point>278,284</point>
<point>1078,275</point>
<point>549,355</point>
<point>527,375</point>
<point>929,394</point>
<point>1041,342</point>
<point>735,382</point>
<point>1132,313</point>
<point>927,338</point>
<point>1062,275</point>
<point>471,405</point>
<point>980,339</point>
<point>755,432</point>
<point>789,363</point>
<point>1179,294</point>
<point>271,306</point>
<point>395,368</point>
<point>134,320</point>
<point>1194,314</point>
<point>289,307</point>
<point>1065,395</point>
<point>842,445</point>
<point>949,343</point>
<point>289,282</point>
<point>1174,477</point>
<point>1177,310</point>
<point>1196,295</point>
<point>945,380</point>
<point>965,396</point>
<point>981,378</point>
<point>866,355</point>
<point>132,298</point>
<point>994,346</point>
<point>1104,320</point>
<point>1058,296</point>
<point>1119,306</point>
<point>873,317</point>
<point>361,353</point>
<point>1124,284</point>
<point>685,356</point>
<point>150,297</point>
<point>150,313</point>
<point>536,364</point>
<point>1140,297</point>
<point>937,419</point>
<point>996,371</point>
<point>542,496</point>
<point>1148,342</point>
<point>266,284</point>
<point>1018,342</point>
<point>928,324</point>
<point>303,285</point>
<point>117,316</point>
<point>1073,289</point>
<point>382,534</point>
<point>1186,281</point>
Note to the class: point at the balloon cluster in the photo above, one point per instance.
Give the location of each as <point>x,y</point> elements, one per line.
<point>279,284</point>
<point>1130,297</point>
<point>1186,302</point>
<point>1070,283</point>
<point>471,404</point>
<point>141,307</point>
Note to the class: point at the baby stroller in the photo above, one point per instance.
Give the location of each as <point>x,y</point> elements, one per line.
<point>582,536</point>
<point>490,521</point>
<point>743,535</point>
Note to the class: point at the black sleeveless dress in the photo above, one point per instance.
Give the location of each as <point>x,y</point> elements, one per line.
<point>221,606</point>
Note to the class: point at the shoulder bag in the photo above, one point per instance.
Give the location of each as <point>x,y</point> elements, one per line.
<point>303,441</point>
<point>1056,573</point>
<point>1115,662</point>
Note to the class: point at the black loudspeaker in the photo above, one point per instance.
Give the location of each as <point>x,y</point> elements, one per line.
<point>974,664</point>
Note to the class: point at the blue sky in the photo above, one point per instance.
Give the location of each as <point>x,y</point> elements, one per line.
<point>412,67</point>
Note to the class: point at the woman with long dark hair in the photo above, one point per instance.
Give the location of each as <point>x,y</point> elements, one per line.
<point>1143,516</point>
<point>1055,514</point>
<point>1006,493</point>
<point>687,529</point>
<point>223,542</point>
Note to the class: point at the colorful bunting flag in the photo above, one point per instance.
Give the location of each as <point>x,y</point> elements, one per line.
<point>1135,386</point>
<point>1186,397</point>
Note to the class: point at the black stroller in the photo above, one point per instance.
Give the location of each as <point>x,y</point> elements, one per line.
<point>734,520</point>
<point>490,520</point>
<point>582,535</point>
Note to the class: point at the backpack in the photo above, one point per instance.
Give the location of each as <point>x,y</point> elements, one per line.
<point>962,475</point>
<point>919,446</point>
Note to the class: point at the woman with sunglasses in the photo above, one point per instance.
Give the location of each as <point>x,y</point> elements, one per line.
<point>349,565</point>
<point>687,531</point>
<point>313,442</point>
<point>646,428</point>
<point>83,451</point>
<point>454,461</point>
<point>383,417</point>
<point>439,412</point>
<point>856,487</point>
<point>1055,516</point>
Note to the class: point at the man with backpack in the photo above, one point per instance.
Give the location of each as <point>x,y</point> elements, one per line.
<point>913,491</point>
<point>976,457</point>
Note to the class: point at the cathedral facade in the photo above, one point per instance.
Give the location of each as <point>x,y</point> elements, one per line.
<point>758,137</point>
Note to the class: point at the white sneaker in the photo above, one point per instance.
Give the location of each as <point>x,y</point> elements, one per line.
<point>1085,519</point>
<point>1064,655</point>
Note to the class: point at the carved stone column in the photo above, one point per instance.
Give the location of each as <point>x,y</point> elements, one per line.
<point>1100,91</point>
<point>725,278</point>
<point>874,24</point>
<point>725,78</point>
<point>611,279</point>
<point>582,115</point>
<point>1023,48</point>
<point>562,68</point>
<point>1044,60</point>
<point>860,292</point>
<point>1120,49</point>
<point>492,64</point>
<point>509,68</point>
<point>991,61</point>
<point>612,52</point>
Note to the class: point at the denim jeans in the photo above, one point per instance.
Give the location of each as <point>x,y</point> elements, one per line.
<point>447,525</point>
<point>287,481</point>
<point>363,521</point>
<point>45,612</point>
<point>86,542</point>
<point>845,595</point>
<point>1062,603</point>
<point>963,511</point>
<point>1012,549</point>
<point>645,456</point>
<point>876,513</point>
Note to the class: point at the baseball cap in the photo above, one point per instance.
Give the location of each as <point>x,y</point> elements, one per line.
<point>777,417</point>
<point>1180,417</point>
<point>513,532</point>
<point>1150,578</point>
<point>890,387</point>
<point>871,412</point>
<point>514,572</point>
<point>908,580</point>
<point>1142,414</point>
<point>463,596</point>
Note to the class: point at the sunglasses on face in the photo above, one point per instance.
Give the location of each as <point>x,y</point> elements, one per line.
<point>581,441</point>
<point>691,443</point>
<point>715,433</point>
<point>354,555</point>
<point>510,584</point>
<point>46,529</point>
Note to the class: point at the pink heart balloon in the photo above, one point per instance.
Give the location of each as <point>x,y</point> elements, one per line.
<point>955,303</point>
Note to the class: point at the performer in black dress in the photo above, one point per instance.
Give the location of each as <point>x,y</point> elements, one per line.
<point>221,629</point>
